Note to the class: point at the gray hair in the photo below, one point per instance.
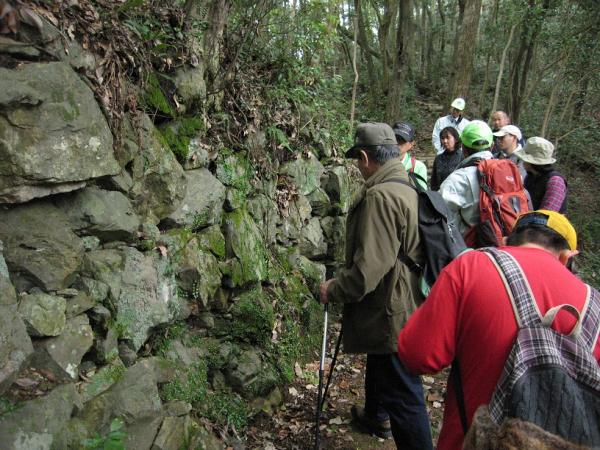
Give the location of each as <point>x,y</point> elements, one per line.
<point>383,153</point>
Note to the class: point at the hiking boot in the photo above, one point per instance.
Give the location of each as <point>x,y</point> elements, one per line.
<point>372,426</point>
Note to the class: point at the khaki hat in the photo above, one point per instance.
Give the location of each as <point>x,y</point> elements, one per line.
<point>537,151</point>
<point>551,219</point>
<point>370,134</point>
<point>509,129</point>
<point>458,103</point>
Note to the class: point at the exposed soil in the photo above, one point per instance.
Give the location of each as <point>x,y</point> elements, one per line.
<point>292,425</point>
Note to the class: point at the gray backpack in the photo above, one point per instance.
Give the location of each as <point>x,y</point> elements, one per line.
<point>549,379</point>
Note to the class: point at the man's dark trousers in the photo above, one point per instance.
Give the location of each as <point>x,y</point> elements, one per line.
<point>392,392</point>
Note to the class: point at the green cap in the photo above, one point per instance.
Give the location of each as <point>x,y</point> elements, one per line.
<point>370,134</point>
<point>477,135</point>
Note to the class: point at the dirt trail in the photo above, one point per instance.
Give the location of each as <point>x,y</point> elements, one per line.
<point>292,425</point>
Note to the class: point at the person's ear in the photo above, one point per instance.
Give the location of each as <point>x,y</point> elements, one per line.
<point>565,255</point>
<point>364,157</point>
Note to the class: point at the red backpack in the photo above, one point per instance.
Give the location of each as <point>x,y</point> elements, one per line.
<point>502,198</point>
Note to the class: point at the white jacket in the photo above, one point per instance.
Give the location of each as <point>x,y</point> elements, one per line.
<point>443,122</point>
<point>460,191</point>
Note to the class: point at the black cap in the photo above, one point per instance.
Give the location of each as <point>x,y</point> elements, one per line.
<point>404,130</point>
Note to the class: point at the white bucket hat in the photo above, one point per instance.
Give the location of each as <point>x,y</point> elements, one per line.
<point>458,103</point>
<point>537,151</point>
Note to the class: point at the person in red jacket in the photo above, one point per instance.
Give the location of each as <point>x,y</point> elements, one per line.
<point>468,314</point>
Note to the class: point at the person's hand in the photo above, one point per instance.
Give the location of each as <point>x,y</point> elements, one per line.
<point>324,287</point>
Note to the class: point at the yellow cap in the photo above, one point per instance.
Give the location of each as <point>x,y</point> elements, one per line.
<point>553,220</point>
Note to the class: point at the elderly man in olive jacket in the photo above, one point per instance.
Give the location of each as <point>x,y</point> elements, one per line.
<point>379,292</point>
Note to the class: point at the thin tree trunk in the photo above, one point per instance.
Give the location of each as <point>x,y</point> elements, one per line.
<point>557,83</point>
<point>501,69</point>
<point>355,84</point>
<point>364,42</point>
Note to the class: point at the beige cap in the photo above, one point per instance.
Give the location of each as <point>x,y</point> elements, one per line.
<point>537,151</point>
<point>509,129</point>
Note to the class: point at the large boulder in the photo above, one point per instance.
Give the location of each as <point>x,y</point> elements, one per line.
<point>190,85</point>
<point>142,289</point>
<point>134,397</point>
<point>40,248</point>
<point>265,213</point>
<point>197,271</point>
<point>245,248</point>
<point>107,215</point>
<point>158,179</point>
<point>15,345</point>
<point>53,136</point>
<point>43,314</point>
<point>305,172</point>
<point>62,355</point>
<point>334,229</point>
<point>37,424</point>
<point>7,290</point>
<point>340,187</point>
<point>297,213</point>
<point>203,202</point>
<point>312,242</point>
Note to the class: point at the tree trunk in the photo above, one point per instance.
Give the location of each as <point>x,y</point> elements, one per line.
<point>364,42</point>
<point>355,84</point>
<point>501,69</point>
<point>401,63</point>
<point>386,44</point>
<point>580,99</point>
<point>465,46</point>
<point>530,30</point>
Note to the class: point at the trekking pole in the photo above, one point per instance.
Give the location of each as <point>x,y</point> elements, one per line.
<point>321,373</point>
<point>333,361</point>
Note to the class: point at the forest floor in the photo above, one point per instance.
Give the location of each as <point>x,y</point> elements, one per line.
<point>292,426</point>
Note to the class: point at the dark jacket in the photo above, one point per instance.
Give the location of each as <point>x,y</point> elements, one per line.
<point>536,186</point>
<point>378,291</point>
<point>443,165</point>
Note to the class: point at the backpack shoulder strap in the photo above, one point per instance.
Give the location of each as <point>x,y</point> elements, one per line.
<point>590,327</point>
<point>517,286</point>
<point>412,265</point>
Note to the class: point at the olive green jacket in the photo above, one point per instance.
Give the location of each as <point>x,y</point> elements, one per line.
<point>378,291</point>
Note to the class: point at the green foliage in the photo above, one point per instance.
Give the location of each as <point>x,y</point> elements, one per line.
<point>253,318</point>
<point>222,407</point>
<point>162,341</point>
<point>177,136</point>
<point>114,439</point>
<point>154,97</point>
<point>190,386</point>
<point>107,376</point>
<point>226,408</point>
<point>7,406</point>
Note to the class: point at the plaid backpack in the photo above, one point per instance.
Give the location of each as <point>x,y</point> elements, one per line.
<point>549,379</point>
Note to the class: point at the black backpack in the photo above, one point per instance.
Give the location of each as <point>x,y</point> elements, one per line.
<point>441,241</point>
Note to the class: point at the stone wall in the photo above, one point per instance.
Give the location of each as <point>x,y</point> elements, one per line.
<point>106,251</point>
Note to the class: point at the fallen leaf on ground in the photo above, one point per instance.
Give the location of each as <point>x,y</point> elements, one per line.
<point>336,421</point>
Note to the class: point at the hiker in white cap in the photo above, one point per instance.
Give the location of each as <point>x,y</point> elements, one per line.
<point>508,138</point>
<point>546,186</point>
<point>454,119</point>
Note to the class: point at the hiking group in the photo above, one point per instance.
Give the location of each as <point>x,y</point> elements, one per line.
<point>519,329</point>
